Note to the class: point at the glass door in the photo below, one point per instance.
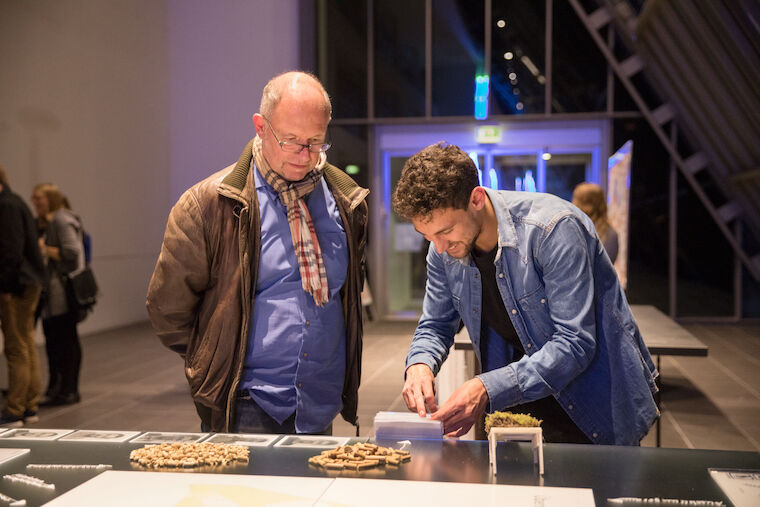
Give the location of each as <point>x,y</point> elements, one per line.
<point>535,157</point>
<point>563,171</point>
<point>406,259</point>
<point>514,172</point>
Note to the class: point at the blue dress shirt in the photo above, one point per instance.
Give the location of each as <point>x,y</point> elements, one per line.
<point>296,356</point>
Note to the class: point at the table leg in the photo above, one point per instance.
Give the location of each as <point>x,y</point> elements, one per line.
<point>657,400</point>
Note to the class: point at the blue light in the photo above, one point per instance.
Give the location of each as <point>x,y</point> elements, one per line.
<point>530,183</point>
<point>494,178</point>
<point>474,156</point>
<point>481,96</point>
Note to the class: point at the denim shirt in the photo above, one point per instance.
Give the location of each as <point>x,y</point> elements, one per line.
<point>570,313</point>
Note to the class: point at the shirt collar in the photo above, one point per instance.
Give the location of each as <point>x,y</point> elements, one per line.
<point>259,180</point>
<point>505,224</point>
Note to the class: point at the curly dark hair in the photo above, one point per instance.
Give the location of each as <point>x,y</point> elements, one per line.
<point>438,177</point>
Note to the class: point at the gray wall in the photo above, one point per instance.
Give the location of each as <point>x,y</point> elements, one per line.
<point>126,103</point>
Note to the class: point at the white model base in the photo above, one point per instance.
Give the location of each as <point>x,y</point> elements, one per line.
<point>520,434</point>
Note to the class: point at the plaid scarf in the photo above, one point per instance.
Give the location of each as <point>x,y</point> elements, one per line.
<point>308,253</point>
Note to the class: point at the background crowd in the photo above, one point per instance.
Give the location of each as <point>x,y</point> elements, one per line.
<point>38,256</point>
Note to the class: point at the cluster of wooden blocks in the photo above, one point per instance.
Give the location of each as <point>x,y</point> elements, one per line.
<point>360,456</point>
<point>189,455</point>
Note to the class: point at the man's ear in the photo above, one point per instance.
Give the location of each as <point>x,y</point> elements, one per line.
<point>478,198</point>
<point>259,124</point>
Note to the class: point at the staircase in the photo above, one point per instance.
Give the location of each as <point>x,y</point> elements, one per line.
<point>703,59</point>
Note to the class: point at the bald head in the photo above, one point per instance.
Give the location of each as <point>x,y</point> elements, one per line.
<point>296,84</point>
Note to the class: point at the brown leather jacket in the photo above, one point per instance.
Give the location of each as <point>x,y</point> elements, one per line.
<point>200,296</point>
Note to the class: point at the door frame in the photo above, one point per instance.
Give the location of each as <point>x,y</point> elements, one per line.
<point>588,136</point>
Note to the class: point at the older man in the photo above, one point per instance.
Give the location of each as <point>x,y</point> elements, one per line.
<point>259,278</point>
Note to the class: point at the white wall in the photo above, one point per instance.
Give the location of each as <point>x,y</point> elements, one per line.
<point>220,59</point>
<point>124,104</point>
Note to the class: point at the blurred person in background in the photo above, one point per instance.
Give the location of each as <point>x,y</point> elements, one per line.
<point>22,273</point>
<point>40,205</point>
<point>41,209</point>
<point>64,252</point>
<point>589,197</point>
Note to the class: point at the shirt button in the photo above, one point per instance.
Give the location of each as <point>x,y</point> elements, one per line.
<point>514,312</point>
<point>475,311</point>
<point>529,345</point>
<point>501,275</point>
<point>300,385</point>
<point>543,301</point>
<point>477,275</point>
<point>570,406</point>
<point>307,323</point>
<point>305,354</point>
<point>595,434</point>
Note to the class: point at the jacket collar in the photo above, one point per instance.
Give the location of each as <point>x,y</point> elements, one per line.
<point>235,182</point>
<point>505,224</point>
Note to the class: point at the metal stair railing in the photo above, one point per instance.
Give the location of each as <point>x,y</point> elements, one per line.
<point>723,215</point>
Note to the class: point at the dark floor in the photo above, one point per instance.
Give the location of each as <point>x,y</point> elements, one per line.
<point>130,382</point>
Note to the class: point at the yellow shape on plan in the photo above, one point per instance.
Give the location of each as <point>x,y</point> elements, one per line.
<point>224,495</point>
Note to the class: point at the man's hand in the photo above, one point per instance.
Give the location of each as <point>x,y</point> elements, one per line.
<point>418,392</point>
<point>463,408</point>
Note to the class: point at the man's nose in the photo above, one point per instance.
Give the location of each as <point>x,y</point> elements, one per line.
<point>440,245</point>
<point>304,154</point>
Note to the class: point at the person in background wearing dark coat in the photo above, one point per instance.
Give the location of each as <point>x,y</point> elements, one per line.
<point>63,250</point>
<point>21,276</point>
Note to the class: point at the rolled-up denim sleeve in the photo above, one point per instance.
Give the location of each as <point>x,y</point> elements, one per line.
<point>435,332</point>
<point>502,387</point>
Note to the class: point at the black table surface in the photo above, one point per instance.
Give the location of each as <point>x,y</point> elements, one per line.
<point>609,471</point>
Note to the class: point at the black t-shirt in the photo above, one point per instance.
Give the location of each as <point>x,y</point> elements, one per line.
<point>557,425</point>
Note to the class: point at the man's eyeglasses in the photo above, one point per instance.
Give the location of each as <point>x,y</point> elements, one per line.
<point>292,147</point>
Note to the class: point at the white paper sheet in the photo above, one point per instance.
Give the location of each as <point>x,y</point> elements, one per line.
<point>34,434</point>
<point>158,437</point>
<point>249,439</point>
<point>126,489</point>
<point>9,454</point>
<point>99,436</point>
<point>312,441</point>
<point>742,487</point>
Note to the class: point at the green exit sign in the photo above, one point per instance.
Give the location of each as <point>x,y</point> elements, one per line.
<point>488,134</point>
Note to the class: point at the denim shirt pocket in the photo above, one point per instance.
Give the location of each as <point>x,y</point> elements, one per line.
<point>535,309</point>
